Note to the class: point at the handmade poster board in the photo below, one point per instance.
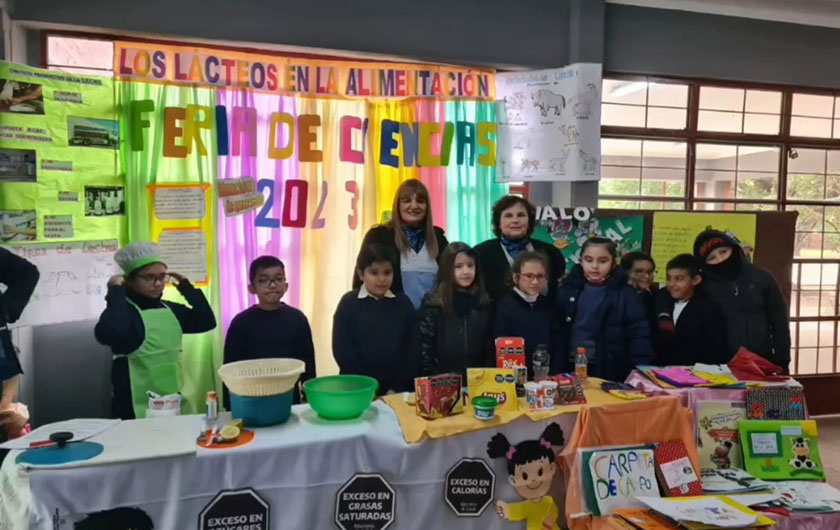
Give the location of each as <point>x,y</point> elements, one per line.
<point>569,228</point>
<point>614,478</point>
<point>674,233</point>
<point>59,157</point>
<point>550,124</point>
<point>781,450</point>
<point>73,282</point>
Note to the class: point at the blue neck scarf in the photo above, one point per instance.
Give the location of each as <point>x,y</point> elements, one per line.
<point>416,237</point>
<point>514,246</point>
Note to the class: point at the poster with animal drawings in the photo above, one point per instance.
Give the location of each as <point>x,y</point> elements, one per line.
<point>549,124</point>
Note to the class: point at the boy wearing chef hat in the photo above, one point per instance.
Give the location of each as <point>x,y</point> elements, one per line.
<point>145,332</point>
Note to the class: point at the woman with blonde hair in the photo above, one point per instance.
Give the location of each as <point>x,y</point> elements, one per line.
<point>416,241</point>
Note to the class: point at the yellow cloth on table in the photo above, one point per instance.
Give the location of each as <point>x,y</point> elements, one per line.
<point>717,380</point>
<point>414,427</point>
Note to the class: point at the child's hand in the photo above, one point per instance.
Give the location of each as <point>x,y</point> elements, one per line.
<point>176,277</point>
<point>503,510</point>
<point>116,280</point>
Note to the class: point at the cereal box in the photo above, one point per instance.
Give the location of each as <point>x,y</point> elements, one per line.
<point>494,382</point>
<point>438,396</point>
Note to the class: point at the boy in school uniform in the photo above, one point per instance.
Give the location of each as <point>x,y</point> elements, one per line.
<point>270,329</point>
<point>690,327</point>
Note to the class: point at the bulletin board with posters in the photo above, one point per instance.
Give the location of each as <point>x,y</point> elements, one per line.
<point>60,174</point>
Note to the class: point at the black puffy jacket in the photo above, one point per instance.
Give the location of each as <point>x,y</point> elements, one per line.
<point>624,341</point>
<point>754,309</point>
<point>452,343</point>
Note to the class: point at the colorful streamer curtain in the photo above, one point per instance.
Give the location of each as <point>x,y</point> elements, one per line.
<point>316,213</point>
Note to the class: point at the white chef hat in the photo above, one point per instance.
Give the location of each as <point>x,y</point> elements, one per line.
<point>137,255</point>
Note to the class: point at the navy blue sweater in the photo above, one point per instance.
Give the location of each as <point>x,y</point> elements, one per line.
<point>624,338</point>
<point>379,338</point>
<point>536,323</point>
<point>262,334</point>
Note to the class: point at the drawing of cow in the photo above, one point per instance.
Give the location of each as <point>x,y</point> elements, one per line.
<point>547,100</point>
<point>534,165</point>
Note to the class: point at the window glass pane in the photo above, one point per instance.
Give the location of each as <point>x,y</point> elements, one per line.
<point>626,92</point>
<point>611,186</point>
<point>668,95</point>
<point>714,206</point>
<point>810,127</point>
<point>807,361</point>
<point>833,163</point>
<point>832,219</point>
<point>758,158</point>
<point>87,53</point>
<point>804,186</point>
<point>622,115</point>
<point>756,186</point>
<point>831,246</point>
<point>807,245</point>
<point>761,124</point>
<point>716,156</point>
<point>813,105</point>
<point>720,121</point>
<point>664,154</point>
<point>666,118</point>
<point>836,129</point>
<point>763,101</point>
<point>755,207</point>
<point>618,205</point>
<point>825,361</point>
<point>713,98</point>
<point>808,334</point>
<point>810,218</point>
<point>807,161</point>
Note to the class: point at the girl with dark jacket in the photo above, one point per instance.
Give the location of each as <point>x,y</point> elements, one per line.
<point>514,220</point>
<point>412,236</point>
<point>525,312</point>
<point>455,318</point>
<point>602,313</point>
<point>752,303</point>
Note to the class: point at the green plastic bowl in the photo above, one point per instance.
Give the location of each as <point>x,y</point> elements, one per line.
<point>340,397</point>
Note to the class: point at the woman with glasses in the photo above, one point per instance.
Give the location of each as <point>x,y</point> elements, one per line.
<point>514,220</point>
<point>143,331</point>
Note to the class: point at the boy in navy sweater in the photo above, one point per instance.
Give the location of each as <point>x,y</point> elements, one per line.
<point>376,332</point>
<point>270,329</point>
<point>691,328</point>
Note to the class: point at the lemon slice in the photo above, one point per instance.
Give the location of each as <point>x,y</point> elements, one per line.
<point>230,433</point>
<point>236,423</point>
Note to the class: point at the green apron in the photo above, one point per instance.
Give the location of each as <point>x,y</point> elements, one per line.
<point>154,365</point>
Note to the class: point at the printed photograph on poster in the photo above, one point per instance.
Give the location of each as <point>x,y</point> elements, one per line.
<point>21,98</point>
<point>18,225</point>
<point>90,132</point>
<point>18,165</point>
<point>185,252</point>
<point>104,200</point>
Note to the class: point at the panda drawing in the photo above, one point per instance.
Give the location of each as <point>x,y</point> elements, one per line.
<point>801,455</point>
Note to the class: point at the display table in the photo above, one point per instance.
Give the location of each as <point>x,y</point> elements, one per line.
<point>296,468</point>
<point>292,476</point>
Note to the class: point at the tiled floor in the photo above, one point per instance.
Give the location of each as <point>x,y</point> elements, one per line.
<point>829,431</point>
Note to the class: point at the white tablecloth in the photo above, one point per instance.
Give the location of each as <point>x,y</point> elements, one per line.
<point>297,467</point>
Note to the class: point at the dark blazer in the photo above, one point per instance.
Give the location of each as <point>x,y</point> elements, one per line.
<point>699,335</point>
<point>384,235</point>
<point>20,278</point>
<point>624,341</point>
<point>496,270</point>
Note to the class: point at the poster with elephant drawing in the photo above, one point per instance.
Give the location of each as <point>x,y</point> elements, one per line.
<point>549,124</point>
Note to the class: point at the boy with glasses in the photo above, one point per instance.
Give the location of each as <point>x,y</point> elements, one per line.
<point>145,332</point>
<point>270,329</point>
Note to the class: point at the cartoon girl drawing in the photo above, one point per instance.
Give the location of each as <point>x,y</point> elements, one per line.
<point>531,467</point>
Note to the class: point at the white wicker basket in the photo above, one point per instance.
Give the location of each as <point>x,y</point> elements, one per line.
<point>261,377</point>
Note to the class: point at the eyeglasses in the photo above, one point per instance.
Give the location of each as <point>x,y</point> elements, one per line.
<point>268,282</point>
<point>154,278</point>
<point>532,277</point>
